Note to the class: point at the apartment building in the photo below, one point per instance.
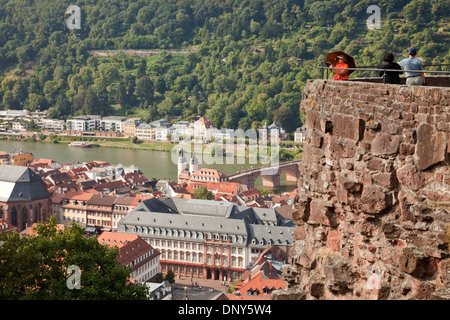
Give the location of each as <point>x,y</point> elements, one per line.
<point>84,123</point>
<point>73,207</point>
<point>129,127</point>
<point>99,211</point>
<point>300,134</point>
<point>145,131</point>
<point>52,124</point>
<point>112,123</point>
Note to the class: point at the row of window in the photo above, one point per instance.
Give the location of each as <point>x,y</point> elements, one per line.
<point>207,178</point>
<point>176,244</point>
<point>143,257</point>
<point>69,218</point>
<point>187,233</point>
<point>194,258</point>
<point>193,246</point>
<point>95,222</point>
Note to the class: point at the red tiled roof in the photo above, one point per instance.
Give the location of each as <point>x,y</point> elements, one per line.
<point>206,122</point>
<point>78,195</point>
<point>259,285</point>
<point>130,247</point>
<point>206,172</point>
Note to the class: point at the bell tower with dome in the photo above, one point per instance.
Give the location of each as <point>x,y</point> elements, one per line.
<point>193,164</point>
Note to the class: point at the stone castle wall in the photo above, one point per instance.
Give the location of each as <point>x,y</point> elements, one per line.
<point>372,219</point>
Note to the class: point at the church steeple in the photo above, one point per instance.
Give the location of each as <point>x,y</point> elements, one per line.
<point>193,164</point>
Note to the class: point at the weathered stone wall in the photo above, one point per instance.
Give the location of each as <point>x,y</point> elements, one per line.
<point>372,219</point>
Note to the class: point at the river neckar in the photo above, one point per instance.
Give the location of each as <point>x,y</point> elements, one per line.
<point>154,164</point>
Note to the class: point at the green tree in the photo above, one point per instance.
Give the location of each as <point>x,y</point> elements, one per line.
<point>9,102</point>
<point>142,69</point>
<point>91,102</point>
<point>35,267</point>
<point>32,126</point>
<point>284,117</point>
<point>170,276</point>
<point>145,89</point>
<point>203,193</point>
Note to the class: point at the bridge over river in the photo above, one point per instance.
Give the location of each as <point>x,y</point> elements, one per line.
<point>270,174</point>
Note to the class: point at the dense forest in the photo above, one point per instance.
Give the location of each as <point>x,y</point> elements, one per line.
<point>244,62</point>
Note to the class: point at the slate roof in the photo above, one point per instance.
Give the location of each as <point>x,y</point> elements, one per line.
<point>176,218</point>
<point>19,184</point>
<point>203,207</point>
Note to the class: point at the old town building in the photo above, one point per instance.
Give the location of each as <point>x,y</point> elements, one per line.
<point>207,239</point>
<point>24,198</point>
<point>135,253</point>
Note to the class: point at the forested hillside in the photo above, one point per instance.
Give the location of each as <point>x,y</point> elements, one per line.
<point>246,61</point>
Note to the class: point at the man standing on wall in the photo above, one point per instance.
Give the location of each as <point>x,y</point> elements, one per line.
<point>412,63</point>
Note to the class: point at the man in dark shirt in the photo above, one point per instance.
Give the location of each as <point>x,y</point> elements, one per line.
<point>391,76</point>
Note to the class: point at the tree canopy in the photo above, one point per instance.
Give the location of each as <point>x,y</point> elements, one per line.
<point>36,267</point>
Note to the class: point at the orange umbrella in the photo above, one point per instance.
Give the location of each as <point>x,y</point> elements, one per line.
<point>332,58</point>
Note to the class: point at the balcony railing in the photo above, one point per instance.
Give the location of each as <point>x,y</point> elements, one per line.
<point>325,72</point>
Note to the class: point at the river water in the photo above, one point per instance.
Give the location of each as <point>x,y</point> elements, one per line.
<point>154,164</point>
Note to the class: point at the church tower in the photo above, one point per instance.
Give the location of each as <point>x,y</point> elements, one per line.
<point>193,164</point>
<point>182,163</point>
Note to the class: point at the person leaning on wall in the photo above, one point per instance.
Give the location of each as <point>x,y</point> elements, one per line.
<point>391,77</point>
<point>412,63</point>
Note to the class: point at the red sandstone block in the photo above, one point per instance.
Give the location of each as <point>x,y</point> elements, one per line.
<point>448,144</point>
<point>299,233</point>
<point>430,146</point>
<point>322,214</point>
<point>417,264</point>
<point>374,199</point>
<point>312,120</point>
<point>408,116</point>
<point>342,148</point>
<point>407,149</point>
<point>334,240</point>
<point>374,164</point>
<point>384,144</point>
<point>410,177</point>
<point>421,117</point>
<point>385,179</point>
<point>316,139</point>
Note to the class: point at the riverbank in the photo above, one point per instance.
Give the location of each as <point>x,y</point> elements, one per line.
<point>285,154</point>
<point>121,143</point>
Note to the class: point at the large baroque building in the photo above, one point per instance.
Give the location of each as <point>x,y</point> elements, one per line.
<point>24,198</point>
<point>207,239</point>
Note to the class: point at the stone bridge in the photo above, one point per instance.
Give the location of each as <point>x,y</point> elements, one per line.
<point>270,174</point>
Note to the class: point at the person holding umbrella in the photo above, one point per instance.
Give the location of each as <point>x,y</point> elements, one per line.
<point>340,74</point>
<point>340,59</point>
